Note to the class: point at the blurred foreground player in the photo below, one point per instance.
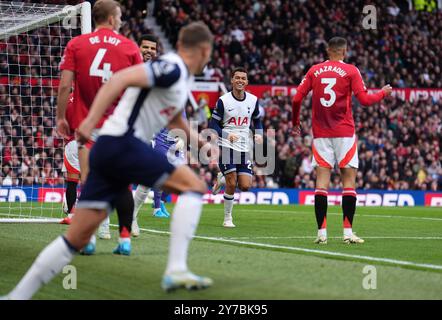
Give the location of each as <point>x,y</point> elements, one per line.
<point>71,166</point>
<point>155,97</point>
<point>163,142</point>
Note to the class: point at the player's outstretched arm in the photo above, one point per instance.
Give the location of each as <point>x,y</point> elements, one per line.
<point>367,99</point>
<point>303,89</point>
<point>361,93</point>
<point>64,90</point>
<point>135,76</point>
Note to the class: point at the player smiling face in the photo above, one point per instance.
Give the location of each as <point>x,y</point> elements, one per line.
<point>148,49</point>
<point>239,80</point>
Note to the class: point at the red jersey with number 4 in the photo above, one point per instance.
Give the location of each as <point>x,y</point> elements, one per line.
<point>332,83</point>
<point>94,58</point>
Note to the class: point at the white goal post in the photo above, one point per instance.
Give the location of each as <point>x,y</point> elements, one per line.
<point>32,41</point>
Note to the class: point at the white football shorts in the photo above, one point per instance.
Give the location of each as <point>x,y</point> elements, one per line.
<point>330,151</point>
<point>71,164</point>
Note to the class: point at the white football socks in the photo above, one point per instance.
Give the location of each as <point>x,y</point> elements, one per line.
<point>185,218</point>
<point>322,233</point>
<point>139,198</point>
<point>348,232</point>
<point>228,205</point>
<point>48,264</point>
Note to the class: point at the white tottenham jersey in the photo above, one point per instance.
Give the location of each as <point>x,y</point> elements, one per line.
<point>144,112</point>
<point>235,116</point>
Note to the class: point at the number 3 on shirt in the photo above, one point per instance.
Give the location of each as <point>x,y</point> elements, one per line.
<point>328,90</point>
<point>94,70</point>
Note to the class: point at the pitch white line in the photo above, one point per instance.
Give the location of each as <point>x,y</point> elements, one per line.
<point>312,237</point>
<point>321,252</point>
<point>357,214</point>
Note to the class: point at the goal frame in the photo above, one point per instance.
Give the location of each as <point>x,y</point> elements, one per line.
<point>84,11</point>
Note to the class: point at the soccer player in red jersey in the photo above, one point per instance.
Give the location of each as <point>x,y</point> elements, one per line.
<point>71,165</point>
<point>89,61</point>
<point>334,140</point>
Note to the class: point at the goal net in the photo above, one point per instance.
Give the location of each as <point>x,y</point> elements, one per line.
<point>32,41</point>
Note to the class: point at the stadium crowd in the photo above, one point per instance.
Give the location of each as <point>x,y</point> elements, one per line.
<point>399,146</point>
<point>279,40</point>
<point>399,142</point>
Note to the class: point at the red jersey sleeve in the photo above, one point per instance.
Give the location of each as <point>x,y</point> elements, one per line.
<point>357,84</point>
<point>360,91</point>
<point>303,89</point>
<point>137,58</point>
<point>68,60</point>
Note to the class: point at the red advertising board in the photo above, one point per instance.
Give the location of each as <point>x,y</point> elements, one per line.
<point>433,199</point>
<point>408,94</point>
<point>50,194</point>
<point>209,91</point>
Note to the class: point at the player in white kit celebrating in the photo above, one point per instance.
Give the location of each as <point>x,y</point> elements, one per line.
<point>231,120</point>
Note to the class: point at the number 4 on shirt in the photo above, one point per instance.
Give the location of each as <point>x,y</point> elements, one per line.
<point>94,70</point>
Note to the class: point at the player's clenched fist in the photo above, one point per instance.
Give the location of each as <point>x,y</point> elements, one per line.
<point>232,137</point>
<point>296,130</point>
<point>387,90</point>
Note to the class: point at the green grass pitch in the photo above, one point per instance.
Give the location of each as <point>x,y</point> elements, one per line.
<point>269,255</point>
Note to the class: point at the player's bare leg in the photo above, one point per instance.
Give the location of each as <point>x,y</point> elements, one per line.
<point>83,158</point>
<point>83,226</point>
<point>244,182</point>
<point>58,253</point>
<point>348,176</point>
<point>322,182</point>
<point>229,193</point>
<point>185,218</point>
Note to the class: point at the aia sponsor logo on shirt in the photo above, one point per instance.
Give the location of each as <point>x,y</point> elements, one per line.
<point>239,121</point>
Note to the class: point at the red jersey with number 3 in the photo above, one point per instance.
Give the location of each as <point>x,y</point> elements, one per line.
<point>332,83</point>
<point>94,58</point>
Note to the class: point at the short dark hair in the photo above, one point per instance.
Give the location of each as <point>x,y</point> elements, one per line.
<point>103,9</point>
<point>194,34</point>
<point>336,43</point>
<point>147,37</point>
<point>238,69</point>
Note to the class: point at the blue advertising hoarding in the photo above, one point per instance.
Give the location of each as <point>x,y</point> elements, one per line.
<point>255,196</point>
